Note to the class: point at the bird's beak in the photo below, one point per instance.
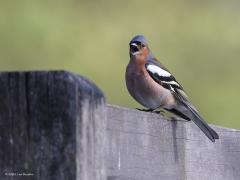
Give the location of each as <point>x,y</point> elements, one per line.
<point>134,49</point>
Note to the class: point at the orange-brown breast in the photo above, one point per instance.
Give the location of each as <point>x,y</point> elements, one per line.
<point>143,88</point>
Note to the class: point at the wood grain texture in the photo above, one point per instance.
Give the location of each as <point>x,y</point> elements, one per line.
<point>56,125</point>
<point>144,146</point>
<point>52,126</point>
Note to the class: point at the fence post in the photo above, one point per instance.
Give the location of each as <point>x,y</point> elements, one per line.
<point>52,126</point>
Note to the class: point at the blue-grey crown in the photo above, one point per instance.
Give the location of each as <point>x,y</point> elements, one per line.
<point>139,38</point>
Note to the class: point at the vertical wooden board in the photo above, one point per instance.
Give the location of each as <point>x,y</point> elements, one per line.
<point>40,110</point>
<point>90,131</point>
<point>41,115</point>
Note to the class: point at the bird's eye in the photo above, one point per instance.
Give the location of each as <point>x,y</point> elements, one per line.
<point>142,45</point>
<point>138,43</point>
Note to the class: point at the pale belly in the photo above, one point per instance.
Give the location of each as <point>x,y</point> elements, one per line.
<point>148,92</point>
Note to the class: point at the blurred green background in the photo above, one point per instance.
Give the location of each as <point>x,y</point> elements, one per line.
<point>197,40</point>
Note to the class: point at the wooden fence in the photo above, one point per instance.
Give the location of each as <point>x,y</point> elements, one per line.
<point>57,125</point>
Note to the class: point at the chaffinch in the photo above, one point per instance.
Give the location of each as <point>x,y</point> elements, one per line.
<point>153,86</point>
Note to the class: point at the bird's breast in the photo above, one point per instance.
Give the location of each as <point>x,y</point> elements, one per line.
<point>145,90</point>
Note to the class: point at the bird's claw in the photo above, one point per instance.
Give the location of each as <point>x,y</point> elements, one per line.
<point>151,110</point>
<point>145,110</point>
<point>159,112</point>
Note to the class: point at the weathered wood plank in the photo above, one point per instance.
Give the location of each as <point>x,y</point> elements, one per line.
<point>55,125</point>
<point>147,146</point>
<point>52,126</point>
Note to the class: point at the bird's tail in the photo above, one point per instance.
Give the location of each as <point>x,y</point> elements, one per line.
<point>199,121</point>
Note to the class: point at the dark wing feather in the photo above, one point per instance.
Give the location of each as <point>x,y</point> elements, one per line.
<point>169,82</point>
<point>197,119</point>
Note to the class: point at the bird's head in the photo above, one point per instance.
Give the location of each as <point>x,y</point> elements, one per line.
<point>139,46</point>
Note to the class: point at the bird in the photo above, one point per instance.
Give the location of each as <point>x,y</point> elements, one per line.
<point>152,85</point>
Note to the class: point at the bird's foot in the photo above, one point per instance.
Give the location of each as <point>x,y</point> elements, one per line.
<point>145,110</point>
<point>162,112</point>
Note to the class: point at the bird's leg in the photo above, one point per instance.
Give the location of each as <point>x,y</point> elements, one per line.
<point>145,110</point>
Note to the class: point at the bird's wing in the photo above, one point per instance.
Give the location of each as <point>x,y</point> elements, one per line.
<point>163,77</point>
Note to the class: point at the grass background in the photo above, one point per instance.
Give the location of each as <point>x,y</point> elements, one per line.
<point>197,40</point>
